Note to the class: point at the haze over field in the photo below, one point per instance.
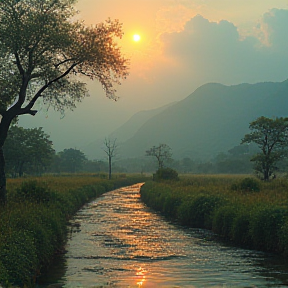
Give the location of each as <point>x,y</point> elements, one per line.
<point>184,44</point>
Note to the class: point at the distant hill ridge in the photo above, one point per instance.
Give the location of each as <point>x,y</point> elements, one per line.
<point>213,119</point>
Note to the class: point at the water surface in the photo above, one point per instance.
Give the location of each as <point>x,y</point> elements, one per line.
<point>118,242</point>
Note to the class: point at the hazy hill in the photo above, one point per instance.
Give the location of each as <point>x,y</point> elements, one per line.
<point>123,133</point>
<point>128,129</point>
<point>213,119</point>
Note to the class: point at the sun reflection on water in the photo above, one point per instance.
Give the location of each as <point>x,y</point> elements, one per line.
<point>140,276</point>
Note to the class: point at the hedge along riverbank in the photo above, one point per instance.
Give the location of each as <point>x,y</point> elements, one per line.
<point>33,225</point>
<point>245,211</point>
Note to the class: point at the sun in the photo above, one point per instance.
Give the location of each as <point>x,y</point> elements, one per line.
<point>136,37</point>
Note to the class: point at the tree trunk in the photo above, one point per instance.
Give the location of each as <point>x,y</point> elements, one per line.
<point>110,169</point>
<point>5,123</point>
<point>266,174</point>
<point>3,191</point>
<point>20,172</point>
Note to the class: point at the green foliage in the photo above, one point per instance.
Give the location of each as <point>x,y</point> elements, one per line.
<point>4,276</point>
<point>240,233</point>
<point>171,204</point>
<point>166,174</point>
<point>27,151</point>
<point>223,220</point>
<point>60,47</point>
<point>71,160</point>
<point>265,227</point>
<point>197,212</point>
<point>18,256</point>
<point>34,192</point>
<point>270,135</point>
<point>247,184</point>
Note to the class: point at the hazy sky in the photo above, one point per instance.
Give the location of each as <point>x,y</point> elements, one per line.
<point>184,44</point>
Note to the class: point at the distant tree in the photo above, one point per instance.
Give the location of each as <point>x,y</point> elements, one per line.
<point>271,137</point>
<point>43,51</point>
<point>162,153</point>
<point>110,148</point>
<point>28,150</point>
<point>71,160</point>
<point>188,165</point>
<point>93,166</point>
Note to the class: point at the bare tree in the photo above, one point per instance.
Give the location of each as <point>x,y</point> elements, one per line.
<point>162,153</point>
<point>110,149</point>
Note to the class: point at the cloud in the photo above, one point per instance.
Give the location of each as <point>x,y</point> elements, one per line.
<point>274,26</point>
<point>215,52</point>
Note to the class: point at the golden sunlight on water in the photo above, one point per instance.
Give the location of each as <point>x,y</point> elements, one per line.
<point>119,242</point>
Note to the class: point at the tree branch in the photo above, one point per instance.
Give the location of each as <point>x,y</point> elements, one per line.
<point>38,94</point>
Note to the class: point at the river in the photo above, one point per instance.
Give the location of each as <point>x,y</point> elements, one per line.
<point>117,241</point>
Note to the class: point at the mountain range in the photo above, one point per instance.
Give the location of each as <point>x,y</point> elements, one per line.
<point>211,120</point>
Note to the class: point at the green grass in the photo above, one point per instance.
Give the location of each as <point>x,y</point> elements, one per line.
<point>240,209</point>
<point>33,224</point>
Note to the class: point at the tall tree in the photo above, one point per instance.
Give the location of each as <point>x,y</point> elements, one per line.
<point>43,51</point>
<point>162,153</point>
<point>110,149</point>
<point>271,137</point>
<point>28,150</point>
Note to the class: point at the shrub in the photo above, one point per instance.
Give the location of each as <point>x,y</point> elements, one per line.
<point>240,228</point>
<point>283,235</point>
<point>223,221</point>
<point>171,204</point>
<point>197,212</point>
<point>18,256</point>
<point>4,277</point>
<point>247,185</point>
<point>265,227</point>
<point>166,174</point>
<point>34,191</point>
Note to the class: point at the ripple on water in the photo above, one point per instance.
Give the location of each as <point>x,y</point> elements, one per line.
<point>122,243</point>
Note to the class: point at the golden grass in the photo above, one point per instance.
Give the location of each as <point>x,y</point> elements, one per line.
<point>273,192</point>
<point>60,183</point>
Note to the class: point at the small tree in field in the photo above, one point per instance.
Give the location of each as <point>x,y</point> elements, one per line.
<point>271,136</point>
<point>43,51</point>
<point>110,149</point>
<point>162,153</point>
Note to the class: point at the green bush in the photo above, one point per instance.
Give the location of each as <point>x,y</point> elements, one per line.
<point>198,212</point>
<point>240,228</point>
<point>34,191</point>
<point>166,174</point>
<point>265,227</point>
<point>223,220</point>
<point>283,238</point>
<point>247,185</point>
<point>18,256</point>
<point>4,276</point>
<point>171,204</point>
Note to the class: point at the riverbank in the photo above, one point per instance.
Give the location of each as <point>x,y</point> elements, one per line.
<point>243,210</point>
<point>33,224</point>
